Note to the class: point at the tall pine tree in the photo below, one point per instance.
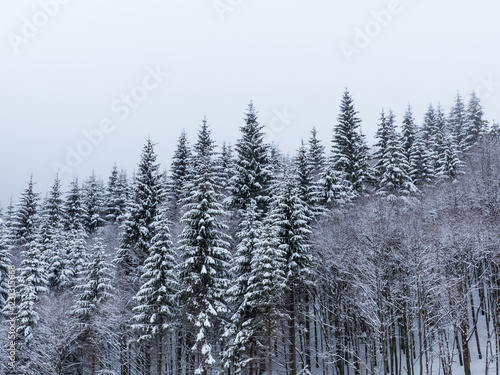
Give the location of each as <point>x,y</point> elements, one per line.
<point>138,231</point>
<point>205,256</point>
<point>349,150</point>
<point>252,169</point>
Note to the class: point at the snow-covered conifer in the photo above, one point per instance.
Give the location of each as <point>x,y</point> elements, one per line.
<point>148,193</point>
<point>25,221</point>
<point>475,126</point>
<point>349,150</point>
<point>408,132</point>
<point>94,286</point>
<point>316,155</point>
<point>252,169</point>
<point>93,203</point>
<point>204,250</point>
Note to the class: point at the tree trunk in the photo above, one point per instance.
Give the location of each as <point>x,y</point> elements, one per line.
<point>465,347</point>
<point>293,344</point>
<point>159,358</point>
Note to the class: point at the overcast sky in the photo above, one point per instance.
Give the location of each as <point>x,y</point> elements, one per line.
<point>132,69</point>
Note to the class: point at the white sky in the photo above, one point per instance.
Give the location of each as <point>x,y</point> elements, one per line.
<point>285,55</point>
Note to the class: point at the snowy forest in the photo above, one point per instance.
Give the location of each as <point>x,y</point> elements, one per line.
<point>238,259</point>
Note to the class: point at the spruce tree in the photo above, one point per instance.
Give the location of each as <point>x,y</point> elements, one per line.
<point>386,127</point>
<point>449,165</point>
<point>429,126</point>
<point>53,240</point>
<point>334,189</point>
<point>241,342</point>
<point>309,191</point>
<point>75,235</point>
<point>204,250</point>
<point>349,150</point>
<point>73,208</point>
<point>138,231</point>
<point>94,286</point>
<point>156,298</point>
<point>8,221</point>
<point>252,169</point>
<point>53,210</point>
<point>116,196</point>
<point>59,260</point>
<point>290,214</point>
<point>408,132</point>
<point>266,289</point>
<point>395,178</point>
<point>457,119</point>
<point>316,155</point>
<point>475,125</point>
<point>93,203</point>
<point>226,164</point>
<point>25,221</point>
<point>421,168</point>
<point>32,282</point>
<point>76,250</point>
<point>494,133</point>
<point>179,174</point>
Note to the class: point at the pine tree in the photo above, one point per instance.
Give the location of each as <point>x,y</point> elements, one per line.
<point>94,286</point>
<point>8,221</point>
<point>429,126</point>
<point>290,214</point>
<point>457,119</point>
<point>53,210</point>
<point>386,128</point>
<point>179,173</point>
<point>309,191</point>
<point>93,203</point>
<point>26,217</point>
<point>205,258</point>
<point>240,341</point>
<point>32,282</point>
<point>252,169</point>
<point>53,240</point>
<point>76,250</point>
<point>475,125</point>
<point>495,131</point>
<point>226,164</point>
<point>448,165</point>
<point>316,156</point>
<point>334,188</point>
<point>266,289</point>
<point>116,195</point>
<point>148,193</point>
<point>408,132</point>
<point>156,298</point>
<point>59,260</point>
<point>75,236</point>
<point>421,163</point>
<point>395,178</point>
<point>73,208</point>
<point>349,150</point>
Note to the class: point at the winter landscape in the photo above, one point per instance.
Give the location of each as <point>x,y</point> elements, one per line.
<point>221,187</point>
<point>242,260</point>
